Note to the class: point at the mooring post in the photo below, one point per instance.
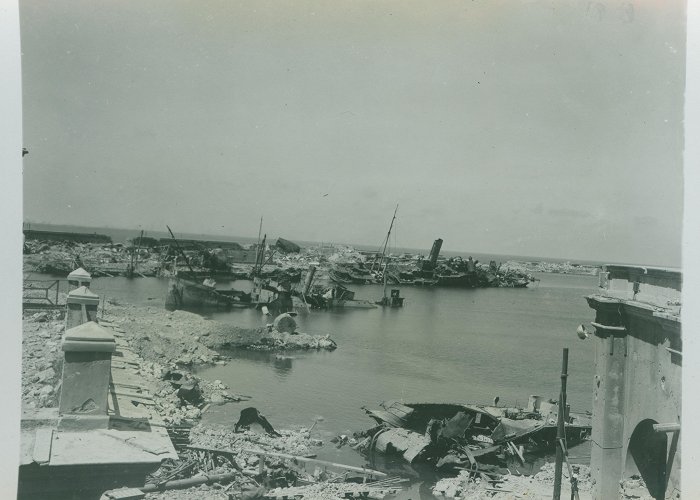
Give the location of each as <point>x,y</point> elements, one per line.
<point>560,425</point>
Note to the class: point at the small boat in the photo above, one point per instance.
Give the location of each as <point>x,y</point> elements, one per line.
<point>395,299</point>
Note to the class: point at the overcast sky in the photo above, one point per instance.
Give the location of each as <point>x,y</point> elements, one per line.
<point>537,128</point>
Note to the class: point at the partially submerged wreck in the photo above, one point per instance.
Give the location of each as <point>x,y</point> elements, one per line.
<point>336,297</point>
<point>449,434</point>
<point>348,273</point>
<point>186,293</point>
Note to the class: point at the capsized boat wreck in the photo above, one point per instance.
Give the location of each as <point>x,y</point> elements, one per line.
<point>450,434</point>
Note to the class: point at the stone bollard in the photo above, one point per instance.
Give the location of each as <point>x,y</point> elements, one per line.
<point>87,368</point>
<point>79,277</point>
<point>81,307</point>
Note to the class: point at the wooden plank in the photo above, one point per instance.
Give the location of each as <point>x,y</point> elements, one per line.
<point>470,455</point>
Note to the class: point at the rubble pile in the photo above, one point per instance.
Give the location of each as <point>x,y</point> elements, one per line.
<point>634,487</point>
<point>218,450</point>
<point>292,442</point>
<point>551,267</point>
<point>181,398</point>
<point>501,277</point>
<point>482,486</point>
<point>177,349</point>
<point>187,339</point>
<point>215,491</point>
<point>42,359</point>
<point>283,341</point>
<point>62,257</point>
<point>337,491</point>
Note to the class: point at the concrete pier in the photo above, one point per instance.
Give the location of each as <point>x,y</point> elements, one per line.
<point>637,385</point>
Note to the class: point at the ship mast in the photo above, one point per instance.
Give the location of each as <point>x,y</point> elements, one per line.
<point>388,234</point>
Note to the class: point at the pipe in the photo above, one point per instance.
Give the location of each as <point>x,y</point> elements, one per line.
<point>672,427</point>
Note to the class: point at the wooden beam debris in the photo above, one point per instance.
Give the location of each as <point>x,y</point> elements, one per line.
<point>360,470</point>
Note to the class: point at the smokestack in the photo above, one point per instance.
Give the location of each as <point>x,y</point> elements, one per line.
<point>434,252</point>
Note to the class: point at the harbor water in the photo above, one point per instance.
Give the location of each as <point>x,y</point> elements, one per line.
<point>445,345</point>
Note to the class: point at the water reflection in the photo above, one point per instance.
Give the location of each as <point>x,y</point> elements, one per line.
<point>281,363</point>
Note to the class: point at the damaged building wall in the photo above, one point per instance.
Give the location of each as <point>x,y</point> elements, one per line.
<point>637,384</point>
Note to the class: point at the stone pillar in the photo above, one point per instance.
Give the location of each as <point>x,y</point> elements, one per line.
<point>87,368</point>
<point>79,277</point>
<point>81,307</point>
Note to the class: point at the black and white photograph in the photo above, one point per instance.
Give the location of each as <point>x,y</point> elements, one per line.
<point>351,249</point>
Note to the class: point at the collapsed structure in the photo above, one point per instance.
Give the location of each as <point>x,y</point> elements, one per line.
<point>637,388</point>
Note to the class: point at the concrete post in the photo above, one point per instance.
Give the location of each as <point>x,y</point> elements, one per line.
<point>81,307</point>
<point>79,277</point>
<point>87,367</point>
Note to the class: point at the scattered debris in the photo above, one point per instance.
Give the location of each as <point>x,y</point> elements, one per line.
<point>634,488</point>
<point>459,435</point>
<point>488,485</point>
<point>252,465</point>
